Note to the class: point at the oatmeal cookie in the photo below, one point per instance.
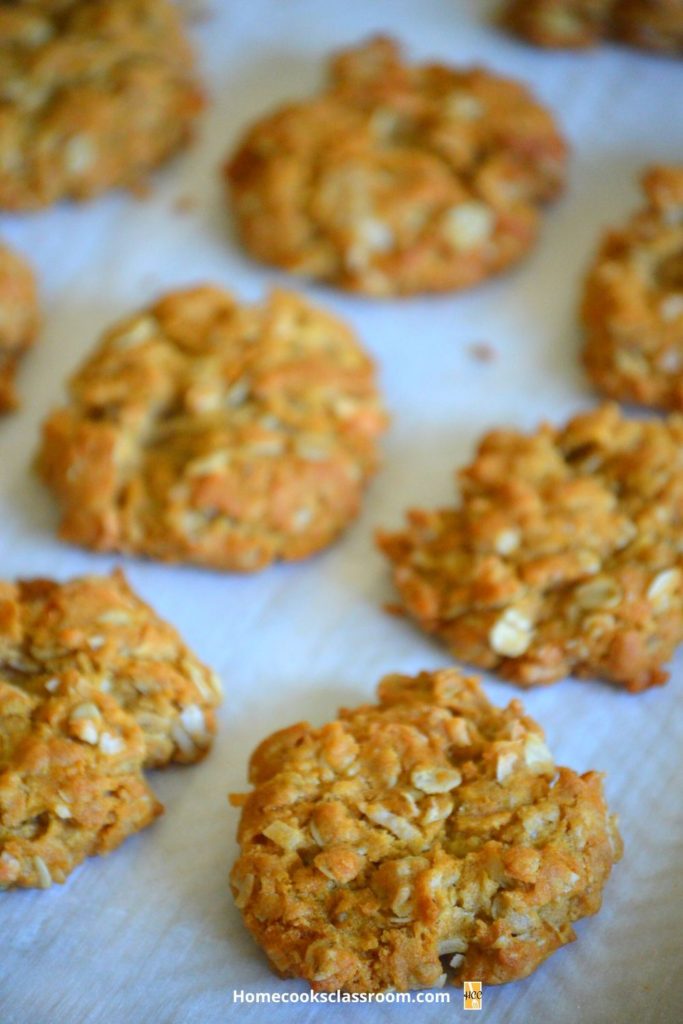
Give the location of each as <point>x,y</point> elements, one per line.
<point>18,320</point>
<point>94,94</point>
<point>559,23</point>
<point>71,782</point>
<point>397,179</point>
<point>205,431</point>
<point>647,24</point>
<point>429,832</point>
<point>564,556</point>
<point>633,300</point>
<point>650,24</point>
<point>97,628</point>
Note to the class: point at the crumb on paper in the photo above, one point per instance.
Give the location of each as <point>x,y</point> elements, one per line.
<point>184,203</point>
<point>482,352</point>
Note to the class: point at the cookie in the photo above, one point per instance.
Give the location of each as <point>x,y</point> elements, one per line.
<point>18,319</point>
<point>94,94</point>
<point>97,629</point>
<point>201,430</point>
<point>559,23</point>
<point>632,307</point>
<point>647,24</point>
<point>71,782</point>
<point>564,555</point>
<point>430,833</point>
<point>397,179</point>
<point>650,25</point>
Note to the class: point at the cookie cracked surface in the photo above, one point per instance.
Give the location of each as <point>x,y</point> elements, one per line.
<point>204,431</point>
<point>397,179</point>
<point>94,94</point>
<point>71,782</point>
<point>429,832</point>
<point>563,556</point>
<point>632,307</point>
<point>18,320</point>
<point>646,24</point>
<point>97,628</point>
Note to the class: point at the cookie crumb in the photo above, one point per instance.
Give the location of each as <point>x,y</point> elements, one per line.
<point>185,204</point>
<point>482,352</point>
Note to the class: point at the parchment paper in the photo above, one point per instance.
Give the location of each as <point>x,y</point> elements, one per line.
<point>150,934</point>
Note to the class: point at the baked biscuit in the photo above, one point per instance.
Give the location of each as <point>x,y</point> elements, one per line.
<point>650,24</point>
<point>431,832</point>
<point>633,300</point>
<point>71,782</point>
<point>397,179</point>
<point>559,23</point>
<point>94,94</point>
<point>563,557</point>
<point>97,629</point>
<point>18,320</point>
<point>204,431</point>
<point>647,24</point>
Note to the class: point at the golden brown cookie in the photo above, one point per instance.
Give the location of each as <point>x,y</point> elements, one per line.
<point>428,834</point>
<point>18,319</point>
<point>94,94</point>
<point>397,179</point>
<point>98,629</point>
<point>564,556</point>
<point>647,24</point>
<point>650,24</point>
<point>633,300</point>
<point>71,782</point>
<point>559,23</point>
<point>201,430</point>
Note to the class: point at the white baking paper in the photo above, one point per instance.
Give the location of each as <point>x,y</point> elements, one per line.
<point>150,933</point>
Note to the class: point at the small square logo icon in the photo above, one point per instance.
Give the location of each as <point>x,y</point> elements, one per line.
<point>471,995</point>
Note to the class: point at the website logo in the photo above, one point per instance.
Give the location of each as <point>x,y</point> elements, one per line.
<point>471,995</point>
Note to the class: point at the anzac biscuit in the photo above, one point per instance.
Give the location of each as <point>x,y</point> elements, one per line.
<point>633,300</point>
<point>96,628</point>
<point>559,23</point>
<point>427,834</point>
<point>204,431</point>
<point>647,24</point>
<point>564,556</point>
<point>94,94</point>
<point>18,320</point>
<point>397,179</point>
<point>650,24</point>
<point>71,782</point>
